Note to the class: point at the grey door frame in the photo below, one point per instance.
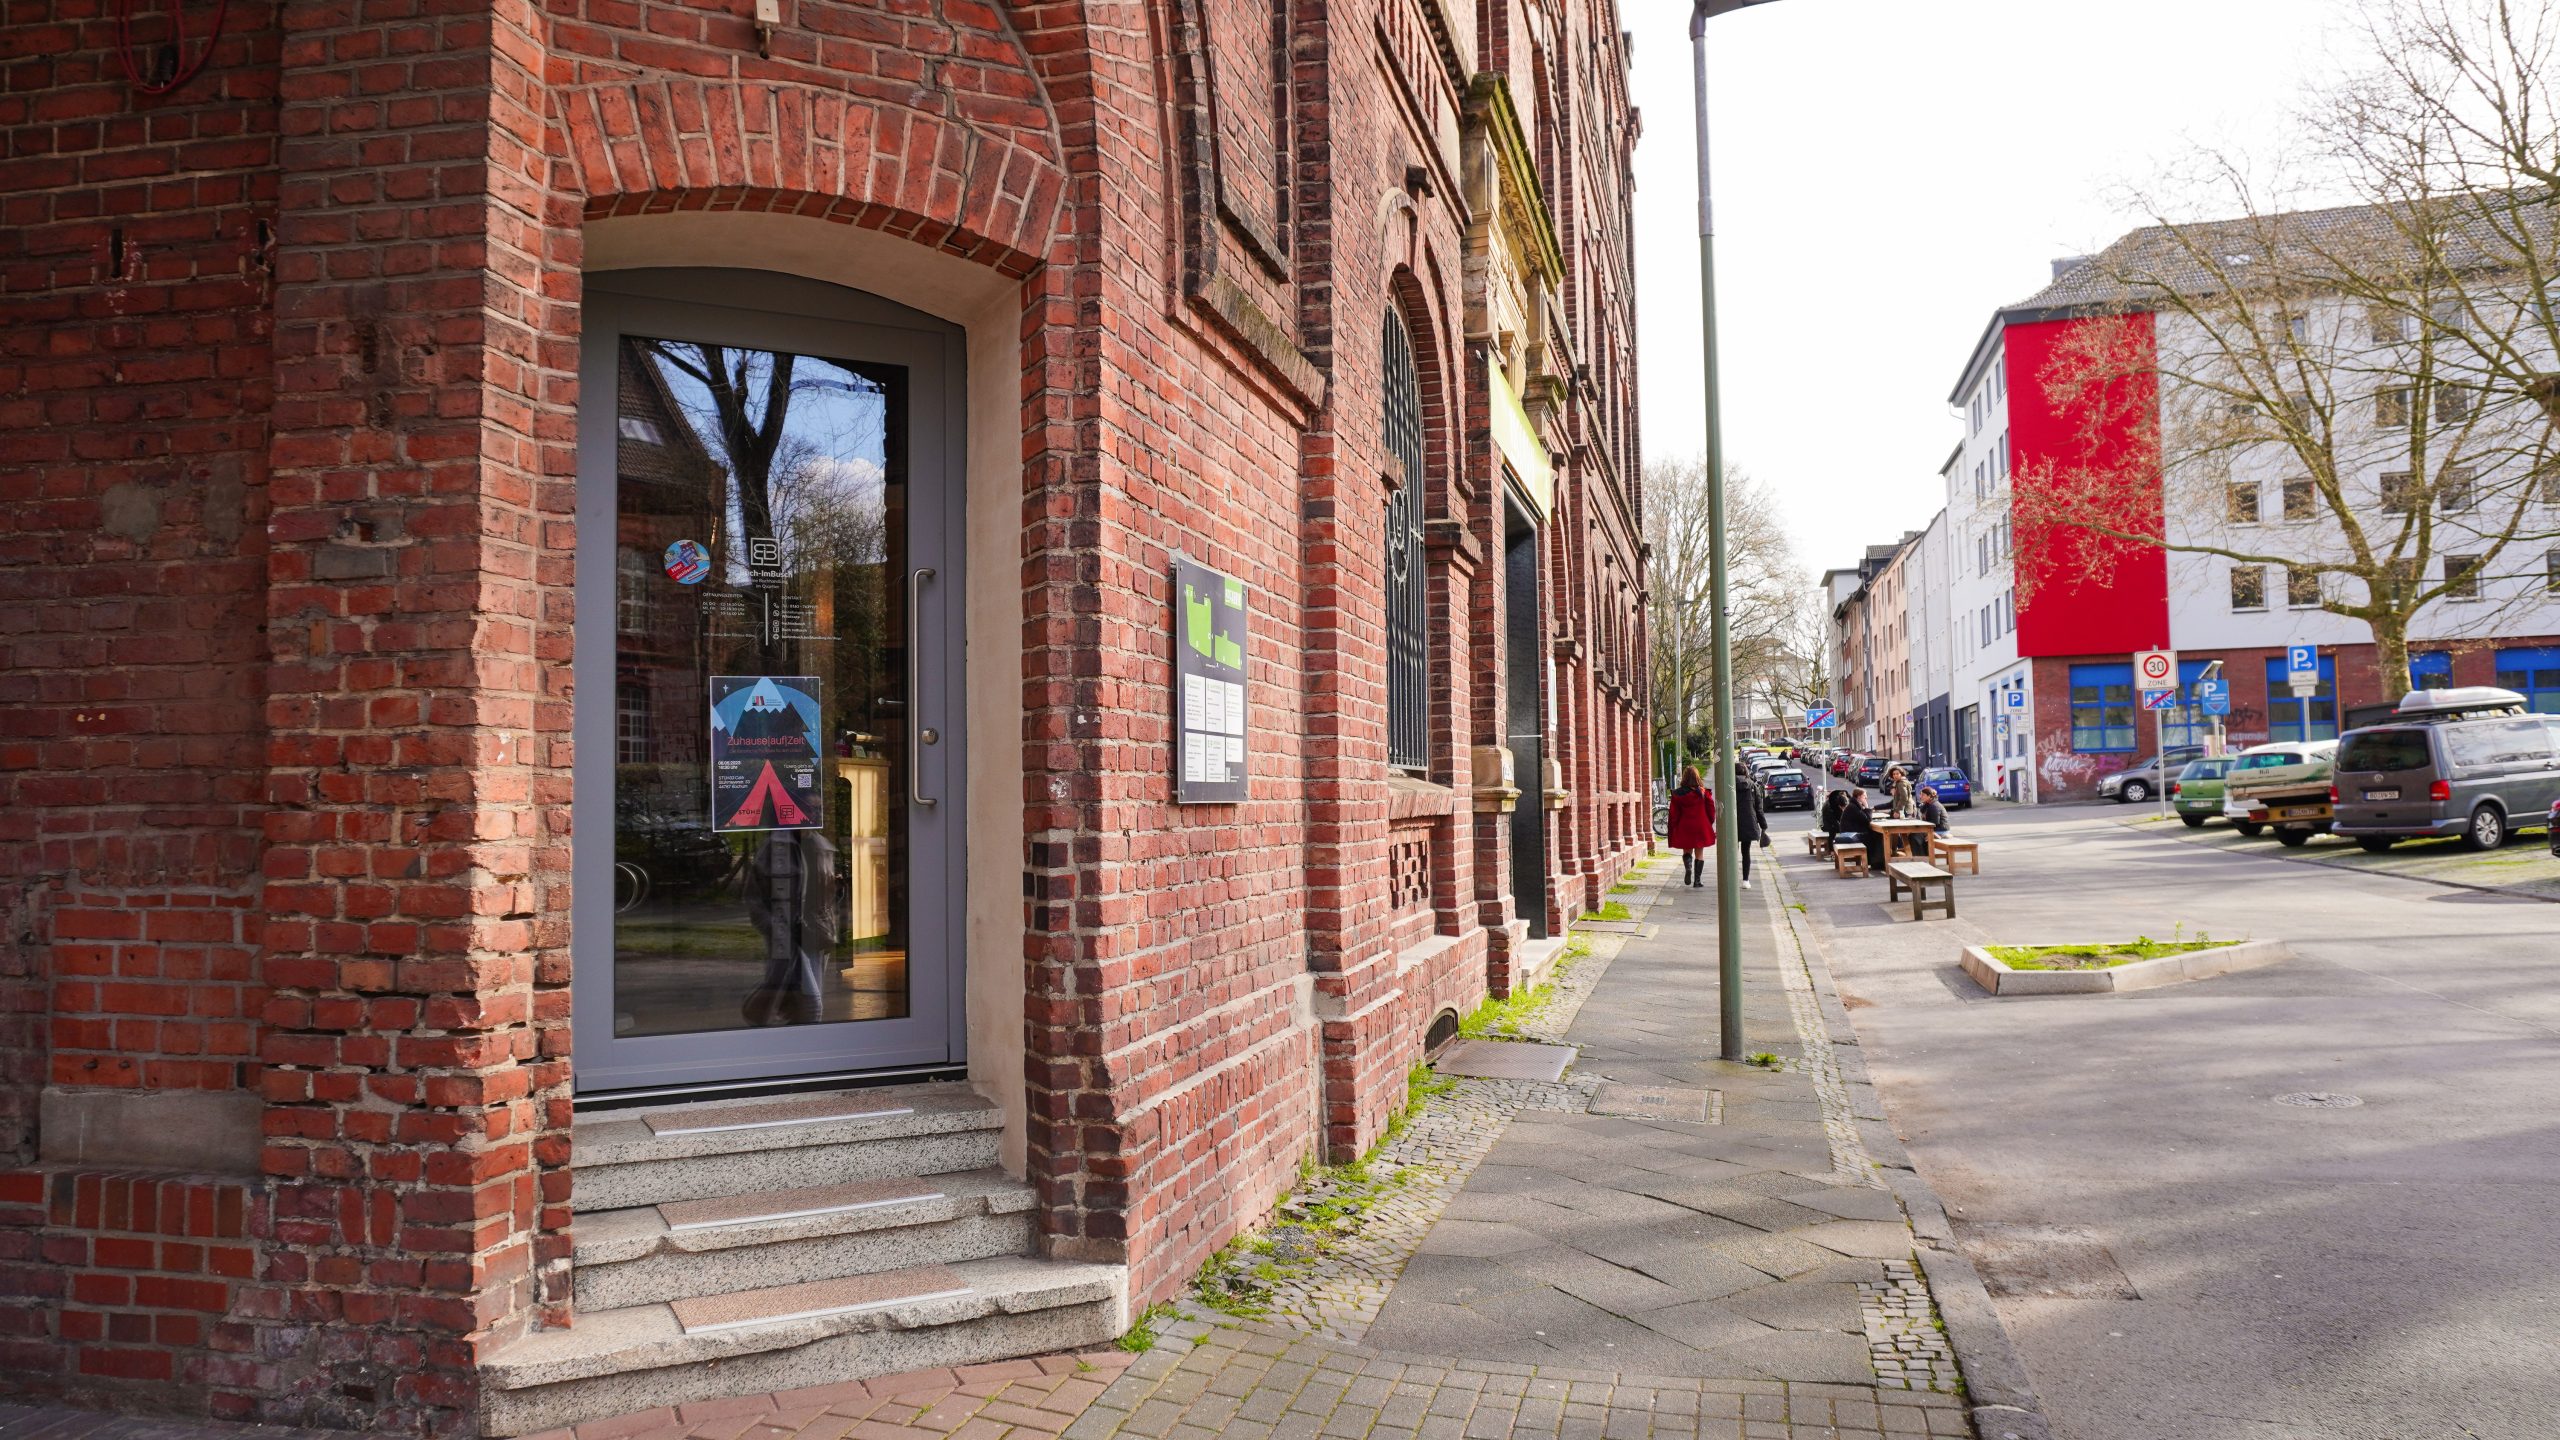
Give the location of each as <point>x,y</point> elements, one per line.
<point>810,317</point>
<point>1524,703</point>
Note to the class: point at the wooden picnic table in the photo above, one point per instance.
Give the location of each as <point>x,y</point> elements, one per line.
<point>1904,839</point>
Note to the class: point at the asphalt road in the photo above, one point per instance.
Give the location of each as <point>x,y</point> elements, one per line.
<point>2177,1255</point>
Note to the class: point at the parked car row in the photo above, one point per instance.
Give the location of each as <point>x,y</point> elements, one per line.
<point>2471,763</point>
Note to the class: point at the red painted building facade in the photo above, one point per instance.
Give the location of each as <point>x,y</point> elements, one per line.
<point>410,413</point>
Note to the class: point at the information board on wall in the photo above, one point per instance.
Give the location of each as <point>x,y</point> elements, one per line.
<point>1210,713</point>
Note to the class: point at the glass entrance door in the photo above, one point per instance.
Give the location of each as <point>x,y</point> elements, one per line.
<point>768,686</point>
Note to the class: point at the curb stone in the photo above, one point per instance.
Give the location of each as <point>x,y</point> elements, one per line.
<point>1998,1393</point>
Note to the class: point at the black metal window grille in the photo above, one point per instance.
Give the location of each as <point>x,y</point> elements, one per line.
<point>1408,608</point>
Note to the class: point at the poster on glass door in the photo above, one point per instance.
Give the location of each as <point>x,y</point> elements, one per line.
<point>766,752</point>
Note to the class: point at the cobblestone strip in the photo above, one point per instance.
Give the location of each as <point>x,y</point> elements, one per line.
<point>1909,1349</point>
<point>1905,1341</point>
<point>1849,1162</point>
<point>1340,1289</point>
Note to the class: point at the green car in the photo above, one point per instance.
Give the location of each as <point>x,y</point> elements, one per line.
<point>2197,792</point>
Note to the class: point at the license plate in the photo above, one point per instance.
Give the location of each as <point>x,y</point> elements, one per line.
<point>2382,794</point>
<point>2300,812</point>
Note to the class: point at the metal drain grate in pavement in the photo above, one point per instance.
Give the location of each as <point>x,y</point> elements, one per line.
<point>1659,1102</point>
<point>2320,1100</point>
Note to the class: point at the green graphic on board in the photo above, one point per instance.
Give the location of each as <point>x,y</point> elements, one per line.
<point>1200,613</point>
<point>1212,756</point>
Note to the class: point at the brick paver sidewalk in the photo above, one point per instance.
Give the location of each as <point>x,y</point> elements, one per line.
<point>1010,1400</point>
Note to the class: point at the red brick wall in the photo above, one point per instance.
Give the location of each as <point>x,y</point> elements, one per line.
<point>290,359</point>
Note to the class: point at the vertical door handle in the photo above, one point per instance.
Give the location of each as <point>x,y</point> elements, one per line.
<point>918,736</point>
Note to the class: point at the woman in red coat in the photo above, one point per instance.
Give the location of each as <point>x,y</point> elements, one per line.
<point>1693,825</point>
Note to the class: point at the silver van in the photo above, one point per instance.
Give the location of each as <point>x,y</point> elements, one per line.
<point>2470,762</point>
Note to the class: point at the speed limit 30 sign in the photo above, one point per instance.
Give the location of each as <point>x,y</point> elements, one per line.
<point>2155,669</point>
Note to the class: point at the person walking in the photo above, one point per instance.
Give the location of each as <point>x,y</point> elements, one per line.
<point>1693,825</point>
<point>1750,823</point>
<point>1900,786</point>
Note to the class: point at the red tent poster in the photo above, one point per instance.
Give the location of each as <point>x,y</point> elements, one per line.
<point>767,770</point>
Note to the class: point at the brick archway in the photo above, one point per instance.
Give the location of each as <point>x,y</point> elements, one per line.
<point>985,194</point>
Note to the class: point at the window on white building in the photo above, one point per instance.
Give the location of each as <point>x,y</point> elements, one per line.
<point>2302,589</point>
<point>2462,577</point>
<point>2298,498</point>
<point>2391,408</point>
<point>2399,493</point>
<point>2248,587</point>
<point>2242,497</point>
<point>2454,492</point>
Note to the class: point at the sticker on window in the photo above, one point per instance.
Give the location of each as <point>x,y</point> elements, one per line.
<point>688,563</point>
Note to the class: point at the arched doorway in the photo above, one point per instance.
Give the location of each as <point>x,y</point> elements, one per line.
<point>770,709</point>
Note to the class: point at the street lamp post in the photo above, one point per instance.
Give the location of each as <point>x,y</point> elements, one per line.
<point>1728,845</point>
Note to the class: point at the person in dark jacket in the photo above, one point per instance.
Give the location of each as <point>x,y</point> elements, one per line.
<point>1857,824</point>
<point>1750,823</point>
<point>1834,805</point>
<point>1693,825</point>
<point>1931,810</point>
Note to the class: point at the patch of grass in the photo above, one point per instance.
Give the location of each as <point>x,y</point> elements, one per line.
<point>1622,888</point>
<point>1142,1336</point>
<point>1611,910</point>
<point>2100,955</point>
<point>1327,1204</point>
<point>1505,1016</point>
<point>1764,1060</point>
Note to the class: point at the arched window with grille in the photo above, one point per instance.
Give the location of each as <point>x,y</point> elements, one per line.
<point>1408,606</point>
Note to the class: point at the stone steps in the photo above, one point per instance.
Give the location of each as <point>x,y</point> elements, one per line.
<point>733,1247</point>
<point>641,1357</point>
<point>622,1162</point>
<point>641,1256</point>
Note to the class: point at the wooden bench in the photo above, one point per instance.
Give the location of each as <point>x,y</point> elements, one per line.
<point>1848,858</point>
<point>1946,850</point>
<point>1816,843</point>
<point>1917,878</point>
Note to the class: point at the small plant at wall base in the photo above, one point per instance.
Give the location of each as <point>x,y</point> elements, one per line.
<point>1327,1205</point>
<point>1611,910</point>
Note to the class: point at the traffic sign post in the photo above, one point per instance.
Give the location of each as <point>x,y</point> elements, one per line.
<point>2302,674</point>
<point>2155,674</point>
<point>1821,717</point>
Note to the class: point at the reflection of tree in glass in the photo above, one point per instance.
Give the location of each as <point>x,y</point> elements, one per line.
<point>798,435</point>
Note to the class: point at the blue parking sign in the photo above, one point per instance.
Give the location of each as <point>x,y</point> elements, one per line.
<point>2214,696</point>
<point>2302,659</point>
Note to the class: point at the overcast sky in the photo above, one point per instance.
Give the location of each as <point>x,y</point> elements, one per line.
<point>1889,172</point>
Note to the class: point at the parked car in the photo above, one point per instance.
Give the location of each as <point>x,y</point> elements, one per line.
<point>2141,780</point>
<point>2197,792</point>
<point>2471,762</point>
<point>2284,786</point>
<point>1786,789</point>
<point>1954,787</point>
<point>1869,771</point>
<point>2554,831</point>
<point>1841,760</point>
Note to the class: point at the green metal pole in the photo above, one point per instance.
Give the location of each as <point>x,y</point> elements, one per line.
<point>1720,645</point>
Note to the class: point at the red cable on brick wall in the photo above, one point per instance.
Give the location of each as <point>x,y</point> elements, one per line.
<point>186,69</point>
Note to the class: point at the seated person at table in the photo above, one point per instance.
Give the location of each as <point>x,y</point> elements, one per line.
<point>1857,823</point>
<point>1834,805</point>
<point>1932,811</point>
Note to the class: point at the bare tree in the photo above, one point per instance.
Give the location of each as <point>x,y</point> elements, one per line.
<point>2351,403</point>
<point>1766,594</point>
